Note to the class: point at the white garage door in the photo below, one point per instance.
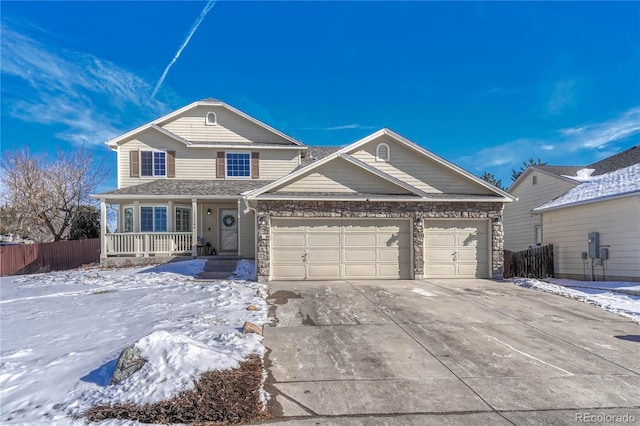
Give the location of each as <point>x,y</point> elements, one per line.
<point>456,249</point>
<point>324,249</point>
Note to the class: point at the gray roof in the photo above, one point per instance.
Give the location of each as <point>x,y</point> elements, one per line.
<point>315,153</point>
<point>339,194</point>
<point>623,159</point>
<point>626,158</point>
<point>560,170</point>
<point>188,188</point>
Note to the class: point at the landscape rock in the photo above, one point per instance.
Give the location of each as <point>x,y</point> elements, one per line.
<point>250,327</point>
<point>129,361</point>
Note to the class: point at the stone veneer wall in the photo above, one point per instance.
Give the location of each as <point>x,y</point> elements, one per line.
<point>377,209</point>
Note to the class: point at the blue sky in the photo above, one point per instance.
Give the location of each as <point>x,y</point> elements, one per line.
<point>484,84</point>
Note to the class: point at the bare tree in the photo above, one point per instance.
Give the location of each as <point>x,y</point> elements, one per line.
<point>45,195</point>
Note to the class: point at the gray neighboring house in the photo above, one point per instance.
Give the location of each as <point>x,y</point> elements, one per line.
<point>209,175</point>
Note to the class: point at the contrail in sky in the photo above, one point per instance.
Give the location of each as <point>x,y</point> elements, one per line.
<point>204,12</point>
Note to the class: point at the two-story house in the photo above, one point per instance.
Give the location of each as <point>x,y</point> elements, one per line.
<point>209,175</point>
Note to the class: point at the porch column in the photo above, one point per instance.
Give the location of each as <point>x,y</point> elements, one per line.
<point>136,216</point>
<point>194,227</point>
<point>171,221</point>
<point>103,229</point>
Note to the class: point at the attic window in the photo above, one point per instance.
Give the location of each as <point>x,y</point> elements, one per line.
<point>383,153</point>
<point>211,119</point>
<point>535,179</point>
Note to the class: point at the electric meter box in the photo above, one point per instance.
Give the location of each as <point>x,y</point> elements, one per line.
<point>604,253</point>
<point>594,244</point>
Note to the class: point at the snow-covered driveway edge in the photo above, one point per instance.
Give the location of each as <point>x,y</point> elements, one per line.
<point>600,294</point>
<point>63,331</point>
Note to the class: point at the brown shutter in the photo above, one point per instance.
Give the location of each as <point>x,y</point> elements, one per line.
<point>171,164</point>
<point>134,163</point>
<point>220,165</point>
<point>255,165</point>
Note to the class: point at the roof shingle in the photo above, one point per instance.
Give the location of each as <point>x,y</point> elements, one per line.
<point>188,188</point>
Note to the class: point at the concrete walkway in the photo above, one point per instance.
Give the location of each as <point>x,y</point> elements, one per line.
<point>470,352</point>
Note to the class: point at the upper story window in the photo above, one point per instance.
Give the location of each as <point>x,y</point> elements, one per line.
<point>535,179</point>
<point>153,163</point>
<point>211,119</point>
<point>238,164</point>
<point>383,153</point>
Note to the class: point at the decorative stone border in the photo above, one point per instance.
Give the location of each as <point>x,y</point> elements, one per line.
<point>377,209</point>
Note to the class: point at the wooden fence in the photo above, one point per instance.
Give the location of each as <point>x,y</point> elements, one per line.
<point>535,262</point>
<point>31,258</point>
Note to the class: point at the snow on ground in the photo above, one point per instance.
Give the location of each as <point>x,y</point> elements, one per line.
<point>62,333</point>
<point>620,297</point>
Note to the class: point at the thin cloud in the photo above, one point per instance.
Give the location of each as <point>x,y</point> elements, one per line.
<point>343,127</point>
<point>599,135</point>
<point>563,95</point>
<point>50,85</point>
<point>195,26</point>
<point>506,154</point>
<point>589,137</point>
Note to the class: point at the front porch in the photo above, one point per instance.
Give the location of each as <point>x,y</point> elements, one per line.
<point>159,229</point>
<point>149,244</point>
<point>165,218</point>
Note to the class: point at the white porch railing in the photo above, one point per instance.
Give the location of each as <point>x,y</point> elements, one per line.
<point>144,244</point>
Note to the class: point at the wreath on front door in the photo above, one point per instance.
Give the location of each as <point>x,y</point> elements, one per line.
<point>229,220</point>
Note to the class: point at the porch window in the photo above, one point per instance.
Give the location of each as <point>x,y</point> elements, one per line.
<point>183,219</point>
<point>128,219</point>
<point>238,164</point>
<point>153,219</point>
<point>153,163</point>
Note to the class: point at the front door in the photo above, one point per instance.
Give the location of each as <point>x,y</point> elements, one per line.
<point>228,230</point>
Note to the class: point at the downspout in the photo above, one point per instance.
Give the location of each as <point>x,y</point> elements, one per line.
<point>255,226</point>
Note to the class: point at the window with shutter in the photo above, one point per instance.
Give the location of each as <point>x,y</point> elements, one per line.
<point>153,163</point>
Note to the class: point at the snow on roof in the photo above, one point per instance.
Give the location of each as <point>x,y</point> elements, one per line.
<point>614,184</point>
<point>582,175</point>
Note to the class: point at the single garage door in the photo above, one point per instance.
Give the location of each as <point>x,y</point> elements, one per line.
<point>325,249</point>
<point>456,249</point>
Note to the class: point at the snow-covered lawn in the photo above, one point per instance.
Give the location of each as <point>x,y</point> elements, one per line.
<point>61,334</point>
<point>620,297</point>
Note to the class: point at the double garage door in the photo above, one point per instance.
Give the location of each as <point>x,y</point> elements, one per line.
<point>325,249</point>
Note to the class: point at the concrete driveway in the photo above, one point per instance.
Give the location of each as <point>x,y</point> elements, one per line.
<point>446,352</point>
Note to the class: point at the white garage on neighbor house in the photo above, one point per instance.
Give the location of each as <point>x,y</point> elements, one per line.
<point>381,208</point>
